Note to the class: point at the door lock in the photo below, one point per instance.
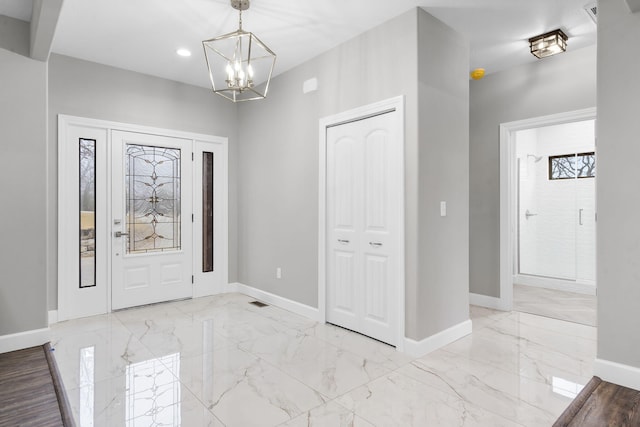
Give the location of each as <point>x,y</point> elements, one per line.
<point>120,234</point>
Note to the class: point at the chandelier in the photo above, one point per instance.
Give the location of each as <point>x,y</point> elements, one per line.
<point>240,65</point>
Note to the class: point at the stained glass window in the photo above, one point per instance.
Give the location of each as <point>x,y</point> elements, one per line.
<point>570,166</point>
<point>207,212</point>
<point>87,199</point>
<point>152,181</point>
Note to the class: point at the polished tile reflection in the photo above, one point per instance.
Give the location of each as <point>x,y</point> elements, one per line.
<point>570,306</point>
<point>219,361</point>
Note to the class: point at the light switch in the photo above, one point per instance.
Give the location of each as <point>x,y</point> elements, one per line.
<point>443,208</point>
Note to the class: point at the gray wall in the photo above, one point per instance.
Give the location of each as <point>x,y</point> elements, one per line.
<point>15,35</point>
<point>553,85</point>
<point>278,178</point>
<point>23,94</point>
<point>443,244</point>
<point>618,201</point>
<point>87,89</point>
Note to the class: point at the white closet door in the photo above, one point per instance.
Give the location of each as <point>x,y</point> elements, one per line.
<point>364,160</point>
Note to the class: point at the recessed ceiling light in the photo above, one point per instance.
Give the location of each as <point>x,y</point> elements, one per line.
<point>183,52</point>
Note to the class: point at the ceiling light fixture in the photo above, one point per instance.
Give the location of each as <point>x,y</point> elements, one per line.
<point>548,44</point>
<point>183,52</point>
<point>240,65</point>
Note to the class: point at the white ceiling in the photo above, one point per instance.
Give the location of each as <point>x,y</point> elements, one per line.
<point>143,35</point>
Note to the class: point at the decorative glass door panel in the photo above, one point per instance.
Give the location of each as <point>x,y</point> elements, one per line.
<point>152,181</point>
<point>151,237</point>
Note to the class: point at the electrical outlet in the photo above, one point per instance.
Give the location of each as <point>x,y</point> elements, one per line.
<point>278,273</point>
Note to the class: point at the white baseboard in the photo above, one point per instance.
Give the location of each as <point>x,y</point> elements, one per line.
<point>439,340</point>
<point>488,302</point>
<point>617,373</point>
<point>53,317</point>
<point>276,300</point>
<point>24,339</point>
<point>555,284</point>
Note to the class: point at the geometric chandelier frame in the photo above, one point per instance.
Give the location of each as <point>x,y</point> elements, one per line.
<point>240,64</point>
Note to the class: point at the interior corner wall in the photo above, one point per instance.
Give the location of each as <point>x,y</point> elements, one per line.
<point>87,89</point>
<point>23,101</point>
<point>557,84</point>
<point>618,200</point>
<point>443,133</point>
<point>278,170</point>
<point>15,35</point>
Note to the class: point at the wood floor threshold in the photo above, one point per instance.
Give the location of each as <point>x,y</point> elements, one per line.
<point>61,394</point>
<point>31,391</point>
<point>600,404</point>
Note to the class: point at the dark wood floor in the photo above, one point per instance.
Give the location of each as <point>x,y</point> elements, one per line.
<point>27,393</point>
<point>602,404</point>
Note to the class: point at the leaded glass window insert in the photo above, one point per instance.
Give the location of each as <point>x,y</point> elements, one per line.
<point>570,166</point>
<point>87,212</point>
<point>152,181</point>
<point>207,212</point>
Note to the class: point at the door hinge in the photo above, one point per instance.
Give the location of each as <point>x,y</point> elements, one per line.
<point>193,156</point>
<point>192,279</point>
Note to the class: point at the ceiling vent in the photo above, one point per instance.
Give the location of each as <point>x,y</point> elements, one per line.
<point>592,11</point>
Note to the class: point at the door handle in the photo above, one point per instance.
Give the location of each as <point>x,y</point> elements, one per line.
<point>528,214</point>
<point>375,244</point>
<point>580,216</point>
<point>120,234</point>
<point>344,242</point>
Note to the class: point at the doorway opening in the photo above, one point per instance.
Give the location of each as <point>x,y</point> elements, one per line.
<point>548,267</point>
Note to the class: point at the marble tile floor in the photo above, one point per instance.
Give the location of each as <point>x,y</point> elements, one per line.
<point>569,306</point>
<point>220,361</point>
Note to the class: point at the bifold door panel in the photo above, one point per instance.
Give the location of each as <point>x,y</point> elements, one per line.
<point>362,228</point>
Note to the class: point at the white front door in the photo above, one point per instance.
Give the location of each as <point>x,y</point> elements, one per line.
<point>364,172</point>
<point>151,227</point>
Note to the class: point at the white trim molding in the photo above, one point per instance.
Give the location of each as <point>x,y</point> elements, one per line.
<point>276,300</point>
<point>53,317</point>
<point>487,301</point>
<point>439,340</point>
<point>508,185</point>
<point>24,339</point>
<point>617,373</point>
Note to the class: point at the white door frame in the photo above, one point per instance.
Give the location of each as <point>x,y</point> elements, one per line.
<point>392,104</point>
<point>67,225</point>
<point>508,196</point>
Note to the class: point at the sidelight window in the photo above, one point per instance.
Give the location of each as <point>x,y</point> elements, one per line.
<point>87,199</point>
